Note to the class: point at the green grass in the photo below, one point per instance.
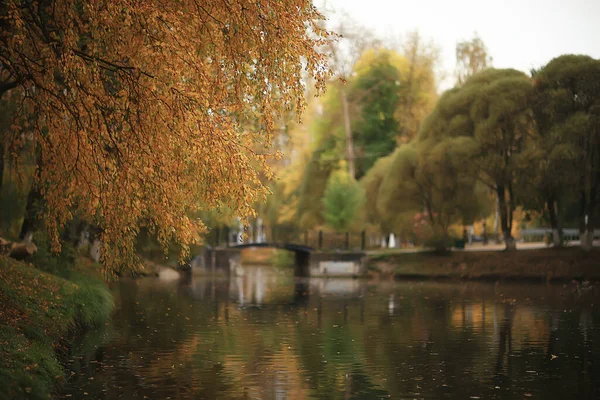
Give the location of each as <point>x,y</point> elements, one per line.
<point>39,312</point>
<point>542,264</point>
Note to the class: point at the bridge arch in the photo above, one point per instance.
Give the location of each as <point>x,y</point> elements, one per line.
<point>301,254</point>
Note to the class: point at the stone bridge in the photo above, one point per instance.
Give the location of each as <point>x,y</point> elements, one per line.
<point>226,261</point>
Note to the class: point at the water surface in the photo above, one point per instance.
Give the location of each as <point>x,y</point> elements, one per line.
<point>267,335</point>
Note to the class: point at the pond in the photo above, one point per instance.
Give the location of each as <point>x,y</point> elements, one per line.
<point>267,335</point>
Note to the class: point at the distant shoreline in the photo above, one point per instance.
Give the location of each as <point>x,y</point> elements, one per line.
<point>537,265</point>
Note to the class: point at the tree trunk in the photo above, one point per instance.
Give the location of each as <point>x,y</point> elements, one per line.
<point>587,242</point>
<point>496,218</point>
<point>348,129</point>
<point>509,241</point>
<point>30,222</point>
<point>584,221</point>
<point>1,164</point>
<point>556,235</point>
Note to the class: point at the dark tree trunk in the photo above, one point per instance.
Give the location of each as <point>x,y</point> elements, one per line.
<point>584,222</point>
<point>554,222</point>
<point>587,241</point>
<point>1,166</point>
<point>505,219</point>
<point>31,220</point>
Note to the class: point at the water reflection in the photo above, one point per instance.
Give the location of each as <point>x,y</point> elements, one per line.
<point>266,335</point>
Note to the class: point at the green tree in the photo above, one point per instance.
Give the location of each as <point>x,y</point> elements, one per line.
<point>477,132</point>
<point>371,184</point>
<point>376,92</point>
<point>503,129</point>
<point>567,112</point>
<point>342,200</point>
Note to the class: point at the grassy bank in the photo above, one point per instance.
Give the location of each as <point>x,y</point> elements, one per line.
<point>38,313</point>
<point>541,265</point>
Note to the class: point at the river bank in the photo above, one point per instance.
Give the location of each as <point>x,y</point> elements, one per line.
<point>40,312</point>
<point>528,265</point>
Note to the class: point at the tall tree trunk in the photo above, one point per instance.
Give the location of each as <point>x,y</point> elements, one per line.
<point>587,242</point>
<point>409,83</point>
<point>348,129</point>
<point>556,230</point>
<point>505,219</point>
<point>2,150</point>
<point>31,220</point>
<point>583,220</point>
<point>496,218</point>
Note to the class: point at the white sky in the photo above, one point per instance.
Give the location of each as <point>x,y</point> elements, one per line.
<point>520,34</point>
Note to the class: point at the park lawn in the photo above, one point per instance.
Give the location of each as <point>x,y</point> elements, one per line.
<point>539,264</point>
<point>39,312</point>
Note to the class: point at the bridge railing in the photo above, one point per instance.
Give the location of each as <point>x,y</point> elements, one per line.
<point>540,234</point>
<point>317,239</point>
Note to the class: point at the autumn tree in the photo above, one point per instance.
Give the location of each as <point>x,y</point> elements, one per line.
<point>471,57</point>
<point>135,106</point>
<point>419,84</point>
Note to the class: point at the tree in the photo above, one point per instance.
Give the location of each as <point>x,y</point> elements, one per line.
<point>476,132</point>
<point>375,92</point>
<point>567,111</point>
<point>135,106</point>
<point>503,129</point>
<point>351,43</point>
<point>371,184</point>
<point>419,86</point>
<point>471,57</point>
<point>342,200</point>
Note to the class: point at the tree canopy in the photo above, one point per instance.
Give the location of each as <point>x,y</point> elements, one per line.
<point>135,107</point>
<point>567,112</point>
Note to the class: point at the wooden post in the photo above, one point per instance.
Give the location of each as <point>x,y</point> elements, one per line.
<point>227,236</point>
<point>347,244</point>
<point>320,239</point>
<point>363,240</point>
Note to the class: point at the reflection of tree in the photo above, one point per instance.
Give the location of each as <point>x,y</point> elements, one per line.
<point>438,343</point>
<point>505,341</point>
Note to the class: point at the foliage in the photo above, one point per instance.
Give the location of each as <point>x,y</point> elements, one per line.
<point>342,200</point>
<point>140,119</point>
<point>375,132</point>
<point>371,183</point>
<point>567,111</point>
<point>471,57</point>
<point>388,94</point>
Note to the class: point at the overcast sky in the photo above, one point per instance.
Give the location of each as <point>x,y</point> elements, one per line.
<point>521,34</point>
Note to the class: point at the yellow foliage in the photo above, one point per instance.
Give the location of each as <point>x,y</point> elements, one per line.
<point>135,106</point>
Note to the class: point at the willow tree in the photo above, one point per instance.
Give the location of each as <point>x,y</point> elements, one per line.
<point>135,105</point>
<point>503,129</point>
<point>435,174</point>
<point>567,111</point>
